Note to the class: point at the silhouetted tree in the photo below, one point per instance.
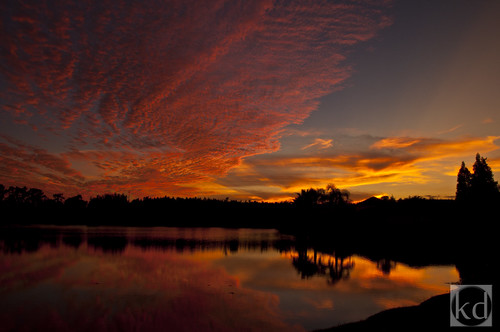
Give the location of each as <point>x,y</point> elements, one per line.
<point>483,186</point>
<point>332,196</point>
<point>464,178</point>
<point>309,197</point>
<point>478,186</point>
<point>335,196</point>
<point>35,197</point>
<point>75,202</point>
<point>16,196</point>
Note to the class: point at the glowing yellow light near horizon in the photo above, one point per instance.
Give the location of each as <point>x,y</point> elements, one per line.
<point>287,198</point>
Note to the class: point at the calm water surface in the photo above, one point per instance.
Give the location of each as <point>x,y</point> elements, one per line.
<point>193,279</point>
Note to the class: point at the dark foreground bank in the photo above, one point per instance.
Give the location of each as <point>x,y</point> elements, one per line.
<point>430,314</point>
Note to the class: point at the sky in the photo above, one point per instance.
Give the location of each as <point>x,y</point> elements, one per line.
<point>247,99</point>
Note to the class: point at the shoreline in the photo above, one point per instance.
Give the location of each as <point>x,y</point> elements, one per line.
<point>431,313</point>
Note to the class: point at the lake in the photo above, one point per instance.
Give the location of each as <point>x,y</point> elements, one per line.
<point>194,279</point>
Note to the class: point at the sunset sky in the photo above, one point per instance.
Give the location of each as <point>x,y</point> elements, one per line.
<point>247,99</point>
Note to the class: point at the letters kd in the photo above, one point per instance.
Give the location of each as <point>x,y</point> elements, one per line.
<point>471,305</point>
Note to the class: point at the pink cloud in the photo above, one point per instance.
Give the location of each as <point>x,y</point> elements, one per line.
<point>185,90</point>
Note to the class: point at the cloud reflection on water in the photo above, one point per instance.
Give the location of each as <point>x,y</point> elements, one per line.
<point>190,279</point>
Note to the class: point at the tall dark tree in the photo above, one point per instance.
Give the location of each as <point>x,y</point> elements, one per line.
<point>2,192</point>
<point>35,197</point>
<point>483,186</point>
<point>335,196</point>
<point>464,178</point>
<point>16,196</point>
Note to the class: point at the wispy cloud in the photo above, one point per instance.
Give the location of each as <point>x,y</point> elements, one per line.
<point>173,92</point>
<point>450,130</point>
<point>320,144</point>
<point>395,143</point>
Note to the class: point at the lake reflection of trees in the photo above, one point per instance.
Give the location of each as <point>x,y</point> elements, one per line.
<point>30,239</point>
<point>308,262</point>
<point>334,267</point>
<point>386,265</point>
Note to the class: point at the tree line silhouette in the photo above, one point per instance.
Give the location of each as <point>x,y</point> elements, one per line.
<point>22,197</point>
<point>327,203</point>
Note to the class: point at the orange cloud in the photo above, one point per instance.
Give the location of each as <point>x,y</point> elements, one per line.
<point>465,146</point>
<point>394,143</point>
<point>396,161</point>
